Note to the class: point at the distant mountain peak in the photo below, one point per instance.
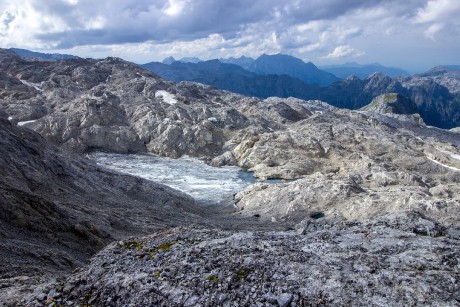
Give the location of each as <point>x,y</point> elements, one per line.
<point>282,64</point>
<point>24,53</point>
<point>169,60</point>
<point>242,61</point>
<point>377,75</point>
<point>190,60</point>
<point>362,71</point>
<point>243,57</point>
<point>353,78</point>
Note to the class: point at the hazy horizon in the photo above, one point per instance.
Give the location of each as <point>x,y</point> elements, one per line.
<point>413,35</point>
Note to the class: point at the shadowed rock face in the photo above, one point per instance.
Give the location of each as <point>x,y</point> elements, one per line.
<point>57,209</point>
<point>391,103</point>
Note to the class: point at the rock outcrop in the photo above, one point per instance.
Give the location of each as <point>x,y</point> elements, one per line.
<point>397,259</point>
<point>391,103</point>
<point>447,76</point>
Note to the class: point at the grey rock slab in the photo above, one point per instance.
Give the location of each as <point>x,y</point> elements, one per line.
<point>350,263</point>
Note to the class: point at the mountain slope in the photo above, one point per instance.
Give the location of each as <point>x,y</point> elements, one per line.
<point>439,106</point>
<point>447,76</point>
<point>436,104</point>
<point>38,55</point>
<point>280,64</point>
<point>243,61</point>
<point>354,93</point>
<point>362,71</point>
<point>233,78</point>
<point>391,103</point>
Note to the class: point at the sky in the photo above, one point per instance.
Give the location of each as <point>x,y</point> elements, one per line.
<point>412,34</point>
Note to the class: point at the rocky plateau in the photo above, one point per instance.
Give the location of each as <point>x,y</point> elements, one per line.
<point>367,211</point>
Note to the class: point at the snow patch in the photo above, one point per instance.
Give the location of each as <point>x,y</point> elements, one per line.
<point>450,154</point>
<point>212,119</point>
<point>37,86</point>
<point>26,122</point>
<point>446,166</point>
<point>142,77</point>
<point>166,96</point>
<point>10,118</point>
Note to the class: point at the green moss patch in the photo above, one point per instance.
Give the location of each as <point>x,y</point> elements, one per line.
<point>162,247</point>
<point>133,245</point>
<point>243,273</point>
<point>213,278</point>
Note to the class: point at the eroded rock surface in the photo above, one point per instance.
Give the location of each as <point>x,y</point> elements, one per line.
<point>380,159</point>
<point>397,259</point>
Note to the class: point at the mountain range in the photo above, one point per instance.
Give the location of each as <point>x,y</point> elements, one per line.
<point>281,64</point>
<point>435,93</point>
<point>234,78</point>
<point>341,71</point>
<point>39,55</point>
<point>362,71</point>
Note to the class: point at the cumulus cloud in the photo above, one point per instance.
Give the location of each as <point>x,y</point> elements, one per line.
<point>432,30</point>
<point>87,22</point>
<point>438,14</point>
<point>438,10</point>
<point>149,29</point>
<point>343,51</point>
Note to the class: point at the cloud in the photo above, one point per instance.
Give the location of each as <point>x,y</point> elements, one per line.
<point>169,20</point>
<point>438,10</point>
<point>343,51</point>
<point>5,19</point>
<point>149,29</point>
<point>432,30</point>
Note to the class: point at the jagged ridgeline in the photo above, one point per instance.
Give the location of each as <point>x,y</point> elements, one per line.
<point>435,93</point>
<point>365,210</point>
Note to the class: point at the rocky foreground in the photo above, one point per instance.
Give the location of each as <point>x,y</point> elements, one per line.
<point>367,213</point>
<point>397,260</point>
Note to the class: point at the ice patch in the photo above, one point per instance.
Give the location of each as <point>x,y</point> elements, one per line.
<point>205,183</point>
<point>26,122</point>
<point>167,97</point>
<point>37,86</point>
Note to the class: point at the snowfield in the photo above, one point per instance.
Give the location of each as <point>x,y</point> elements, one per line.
<point>167,97</point>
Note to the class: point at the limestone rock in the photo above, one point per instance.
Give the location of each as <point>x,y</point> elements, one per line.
<point>397,259</point>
